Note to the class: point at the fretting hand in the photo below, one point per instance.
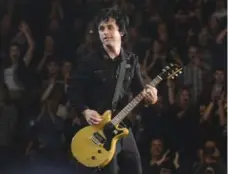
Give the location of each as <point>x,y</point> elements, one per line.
<point>150,94</point>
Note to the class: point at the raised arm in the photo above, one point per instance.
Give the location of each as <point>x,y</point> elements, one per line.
<point>24,28</point>
<point>48,51</point>
<point>221,110</point>
<point>10,7</point>
<point>43,61</point>
<point>56,9</point>
<point>221,36</point>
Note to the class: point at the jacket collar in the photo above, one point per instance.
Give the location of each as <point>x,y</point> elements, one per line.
<point>123,55</point>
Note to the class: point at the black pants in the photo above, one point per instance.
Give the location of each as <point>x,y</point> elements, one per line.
<point>126,160</point>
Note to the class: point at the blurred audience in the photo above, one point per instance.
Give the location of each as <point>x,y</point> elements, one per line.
<point>42,41</point>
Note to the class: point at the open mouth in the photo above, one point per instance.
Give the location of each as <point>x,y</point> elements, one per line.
<point>107,38</point>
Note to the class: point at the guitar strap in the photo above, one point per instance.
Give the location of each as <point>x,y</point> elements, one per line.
<point>119,85</point>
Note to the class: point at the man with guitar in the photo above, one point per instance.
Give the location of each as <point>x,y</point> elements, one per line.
<point>104,81</point>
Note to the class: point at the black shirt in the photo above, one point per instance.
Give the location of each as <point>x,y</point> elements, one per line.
<point>93,82</point>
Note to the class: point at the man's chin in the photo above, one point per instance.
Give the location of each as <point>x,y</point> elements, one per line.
<point>107,44</point>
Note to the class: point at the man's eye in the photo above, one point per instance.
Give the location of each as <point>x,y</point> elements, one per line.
<point>101,28</point>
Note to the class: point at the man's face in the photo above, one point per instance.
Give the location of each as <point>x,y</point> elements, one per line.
<point>53,68</point>
<point>210,144</point>
<point>210,154</point>
<point>162,28</point>
<point>49,44</point>
<point>219,77</point>
<point>54,25</point>
<point>156,147</point>
<point>14,53</point>
<point>156,47</point>
<point>192,52</point>
<point>213,22</point>
<point>67,67</point>
<point>194,56</point>
<point>184,97</point>
<point>109,32</point>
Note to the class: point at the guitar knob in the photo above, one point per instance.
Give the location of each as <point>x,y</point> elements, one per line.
<point>93,158</point>
<point>99,151</point>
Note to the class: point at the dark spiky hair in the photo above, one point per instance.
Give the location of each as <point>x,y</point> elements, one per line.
<point>122,20</point>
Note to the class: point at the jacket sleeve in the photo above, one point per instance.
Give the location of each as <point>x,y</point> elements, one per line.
<point>77,86</point>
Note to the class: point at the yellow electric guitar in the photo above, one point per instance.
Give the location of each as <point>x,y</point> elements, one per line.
<point>94,146</point>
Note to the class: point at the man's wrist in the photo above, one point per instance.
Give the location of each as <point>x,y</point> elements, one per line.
<point>146,103</point>
<point>80,110</point>
<point>86,109</point>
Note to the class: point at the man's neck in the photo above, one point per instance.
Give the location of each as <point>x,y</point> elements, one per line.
<point>113,52</point>
<point>183,105</point>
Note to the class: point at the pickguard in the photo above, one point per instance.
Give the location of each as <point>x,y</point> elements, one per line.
<point>110,132</point>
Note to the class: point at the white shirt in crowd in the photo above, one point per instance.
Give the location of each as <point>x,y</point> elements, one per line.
<point>9,78</point>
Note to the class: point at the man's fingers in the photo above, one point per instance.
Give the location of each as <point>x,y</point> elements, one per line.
<point>92,122</point>
<point>94,119</point>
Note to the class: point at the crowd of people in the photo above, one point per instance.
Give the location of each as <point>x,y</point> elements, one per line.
<point>42,42</point>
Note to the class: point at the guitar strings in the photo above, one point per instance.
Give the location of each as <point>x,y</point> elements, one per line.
<point>94,139</point>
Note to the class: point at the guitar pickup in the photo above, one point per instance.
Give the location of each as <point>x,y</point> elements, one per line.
<point>99,137</point>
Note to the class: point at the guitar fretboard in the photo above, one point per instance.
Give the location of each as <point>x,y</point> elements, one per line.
<point>127,109</point>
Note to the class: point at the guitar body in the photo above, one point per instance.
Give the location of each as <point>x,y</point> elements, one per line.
<point>94,146</point>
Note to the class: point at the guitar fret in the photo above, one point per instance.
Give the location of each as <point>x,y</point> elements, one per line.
<point>156,81</point>
<point>127,109</point>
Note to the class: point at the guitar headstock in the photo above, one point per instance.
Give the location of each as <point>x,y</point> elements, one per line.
<point>171,71</point>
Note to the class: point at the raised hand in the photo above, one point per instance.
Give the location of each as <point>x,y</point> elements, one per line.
<point>164,158</point>
<point>176,160</point>
<point>24,27</point>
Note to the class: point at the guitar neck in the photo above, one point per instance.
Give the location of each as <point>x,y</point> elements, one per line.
<point>130,106</point>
